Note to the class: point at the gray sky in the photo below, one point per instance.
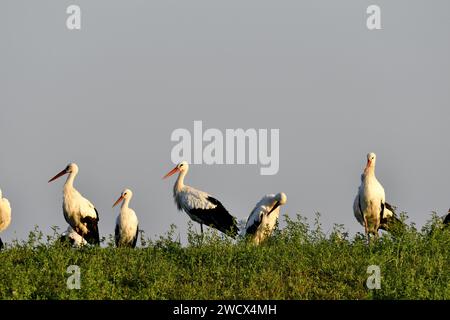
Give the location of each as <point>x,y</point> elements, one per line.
<point>109,96</point>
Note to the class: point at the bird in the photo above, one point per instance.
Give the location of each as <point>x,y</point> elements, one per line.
<point>73,238</point>
<point>264,216</point>
<point>200,206</point>
<point>369,204</point>
<point>127,225</point>
<point>79,212</point>
<point>5,215</point>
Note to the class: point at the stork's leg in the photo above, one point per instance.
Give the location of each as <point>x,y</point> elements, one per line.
<point>201,228</point>
<point>366,229</point>
<point>365,225</point>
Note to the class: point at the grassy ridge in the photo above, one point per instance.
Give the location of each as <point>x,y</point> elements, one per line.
<point>298,262</point>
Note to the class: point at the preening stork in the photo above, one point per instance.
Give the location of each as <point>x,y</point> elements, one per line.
<point>370,206</point>
<point>5,215</point>
<point>79,212</point>
<point>200,206</point>
<point>262,219</point>
<point>127,225</point>
<point>73,238</point>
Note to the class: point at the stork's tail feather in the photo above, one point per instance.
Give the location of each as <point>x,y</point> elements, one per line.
<point>222,220</point>
<point>390,207</point>
<point>227,224</point>
<point>1,244</point>
<point>389,220</point>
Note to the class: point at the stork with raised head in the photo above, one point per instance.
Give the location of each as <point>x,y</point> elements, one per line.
<point>73,238</point>
<point>369,204</point>
<point>127,225</point>
<point>264,216</point>
<point>200,206</point>
<point>5,215</point>
<point>79,212</point>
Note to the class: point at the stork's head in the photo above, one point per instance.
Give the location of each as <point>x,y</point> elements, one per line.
<point>280,199</point>
<point>183,166</point>
<point>126,194</point>
<point>371,158</point>
<point>71,168</point>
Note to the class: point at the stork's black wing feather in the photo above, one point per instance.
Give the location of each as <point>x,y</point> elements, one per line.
<point>92,237</point>
<point>218,218</point>
<point>117,234</point>
<point>252,228</point>
<point>390,207</point>
<point>133,244</point>
<point>223,219</point>
<point>360,208</point>
<point>392,222</point>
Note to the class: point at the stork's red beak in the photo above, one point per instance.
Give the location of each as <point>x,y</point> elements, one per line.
<point>58,175</point>
<point>118,201</point>
<point>173,171</point>
<point>368,163</point>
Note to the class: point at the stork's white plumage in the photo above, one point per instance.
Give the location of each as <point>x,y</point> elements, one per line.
<point>262,219</point>
<point>5,215</point>
<point>369,203</point>
<point>73,238</point>
<point>200,206</point>
<point>127,225</point>
<point>79,212</point>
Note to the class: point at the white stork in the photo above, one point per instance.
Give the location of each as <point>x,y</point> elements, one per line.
<point>5,215</point>
<point>262,219</point>
<point>127,225</point>
<point>369,205</point>
<point>73,238</point>
<point>200,206</point>
<point>79,212</point>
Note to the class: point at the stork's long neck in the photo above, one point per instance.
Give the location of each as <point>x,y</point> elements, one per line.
<point>179,184</point>
<point>69,182</point>
<point>369,172</point>
<point>125,204</point>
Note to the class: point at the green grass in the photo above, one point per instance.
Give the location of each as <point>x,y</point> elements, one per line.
<point>298,262</point>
